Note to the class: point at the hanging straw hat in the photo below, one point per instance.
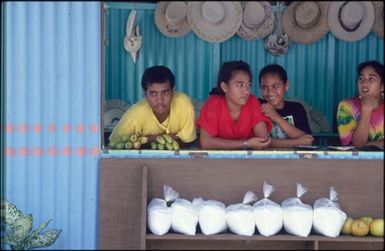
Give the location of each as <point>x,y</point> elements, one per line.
<point>306,22</point>
<point>378,26</point>
<point>113,111</point>
<point>171,18</point>
<point>351,21</point>
<point>257,20</point>
<point>214,21</point>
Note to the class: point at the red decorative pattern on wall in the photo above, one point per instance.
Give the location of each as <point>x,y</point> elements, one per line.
<point>51,151</point>
<point>38,128</point>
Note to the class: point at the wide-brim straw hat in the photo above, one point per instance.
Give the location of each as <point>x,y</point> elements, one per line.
<point>351,21</point>
<point>214,21</point>
<point>257,20</point>
<point>306,22</point>
<point>171,18</point>
<point>378,26</point>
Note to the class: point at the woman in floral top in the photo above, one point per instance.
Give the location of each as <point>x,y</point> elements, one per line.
<point>360,120</point>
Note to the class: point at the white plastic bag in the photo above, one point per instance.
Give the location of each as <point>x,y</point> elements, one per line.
<point>159,214</point>
<point>297,216</point>
<point>240,216</point>
<point>184,217</point>
<point>267,213</point>
<point>211,216</point>
<point>328,218</point>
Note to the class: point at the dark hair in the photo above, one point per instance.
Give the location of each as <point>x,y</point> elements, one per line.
<point>377,66</point>
<point>227,71</point>
<point>157,74</point>
<point>273,69</point>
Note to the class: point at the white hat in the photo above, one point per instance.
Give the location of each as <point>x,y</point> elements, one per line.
<point>257,21</point>
<point>113,111</point>
<point>306,22</point>
<point>378,26</point>
<point>350,21</point>
<point>171,18</point>
<point>214,21</point>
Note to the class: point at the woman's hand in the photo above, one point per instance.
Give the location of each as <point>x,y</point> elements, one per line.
<point>306,139</point>
<point>368,103</point>
<point>259,143</point>
<point>270,112</point>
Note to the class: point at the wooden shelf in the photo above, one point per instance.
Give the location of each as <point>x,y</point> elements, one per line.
<point>280,241</point>
<point>279,237</point>
<point>128,185</point>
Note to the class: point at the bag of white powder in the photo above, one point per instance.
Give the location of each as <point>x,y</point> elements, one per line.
<point>297,216</point>
<point>328,218</point>
<point>184,217</point>
<point>211,216</point>
<point>240,217</point>
<point>159,214</point>
<point>267,213</point>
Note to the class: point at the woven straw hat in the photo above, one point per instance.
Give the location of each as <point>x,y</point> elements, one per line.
<point>257,20</point>
<point>306,22</point>
<point>378,26</point>
<point>351,21</point>
<point>171,18</point>
<point>214,21</point>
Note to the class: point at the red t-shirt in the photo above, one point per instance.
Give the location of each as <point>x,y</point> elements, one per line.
<point>215,118</point>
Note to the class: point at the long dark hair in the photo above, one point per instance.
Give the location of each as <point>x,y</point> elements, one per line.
<point>227,71</point>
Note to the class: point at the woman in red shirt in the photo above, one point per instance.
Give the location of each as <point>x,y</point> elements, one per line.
<point>231,118</point>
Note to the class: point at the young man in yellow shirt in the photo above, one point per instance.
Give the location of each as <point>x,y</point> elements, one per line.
<point>162,110</point>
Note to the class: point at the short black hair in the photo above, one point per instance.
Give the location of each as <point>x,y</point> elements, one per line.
<point>377,66</point>
<point>227,71</point>
<point>273,69</point>
<point>157,74</point>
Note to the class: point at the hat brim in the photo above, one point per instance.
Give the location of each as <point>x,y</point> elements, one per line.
<point>265,29</point>
<point>350,36</point>
<point>113,110</point>
<point>161,22</point>
<point>378,26</point>
<point>215,33</point>
<point>305,36</point>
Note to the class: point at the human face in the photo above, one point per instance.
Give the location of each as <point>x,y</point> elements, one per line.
<point>273,90</point>
<point>159,96</point>
<point>238,89</point>
<point>369,83</point>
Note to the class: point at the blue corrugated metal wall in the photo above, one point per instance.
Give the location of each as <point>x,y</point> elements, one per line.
<point>52,67</point>
<point>52,75</point>
<point>321,73</point>
<point>191,59</point>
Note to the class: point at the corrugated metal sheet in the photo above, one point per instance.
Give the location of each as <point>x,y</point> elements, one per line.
<point>52,67</point>
<point>321,73</point>
<point>181,55</point>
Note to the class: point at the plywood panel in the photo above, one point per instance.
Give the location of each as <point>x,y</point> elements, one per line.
<point>359,184</point>
<point>120,205</point>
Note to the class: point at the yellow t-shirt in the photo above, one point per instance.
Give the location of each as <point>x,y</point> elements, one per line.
<point>141,120</point>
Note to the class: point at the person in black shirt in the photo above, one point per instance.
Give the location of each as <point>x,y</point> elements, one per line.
<point>290,124</point>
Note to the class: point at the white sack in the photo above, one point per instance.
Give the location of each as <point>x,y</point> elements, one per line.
<point>328,218</point>
<point>184,217</point>
<point>267,213</point>
<point>297,216</point>
<point>159,214</point>
<point>211,216</point>
<point>240,217</point>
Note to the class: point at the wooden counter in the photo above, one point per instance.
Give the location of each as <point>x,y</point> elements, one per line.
<point>129,182</point>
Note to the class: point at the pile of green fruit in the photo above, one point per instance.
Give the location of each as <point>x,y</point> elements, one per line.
<point>132,141</point>
<point>164,142</point>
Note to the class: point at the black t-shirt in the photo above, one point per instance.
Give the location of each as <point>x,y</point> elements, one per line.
<point>295,114</point>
